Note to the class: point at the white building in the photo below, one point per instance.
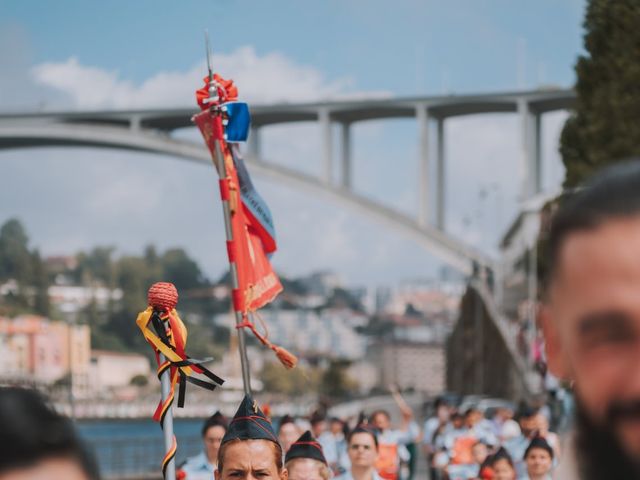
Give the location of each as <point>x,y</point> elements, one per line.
<point>330,332</point>
<point>116,369</point>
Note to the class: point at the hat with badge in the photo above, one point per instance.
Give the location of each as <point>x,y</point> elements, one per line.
<point>249,423</point>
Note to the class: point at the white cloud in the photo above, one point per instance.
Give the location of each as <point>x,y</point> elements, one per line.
<point>261,79</point>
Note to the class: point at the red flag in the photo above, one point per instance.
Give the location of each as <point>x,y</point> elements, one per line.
<point>257,282</point>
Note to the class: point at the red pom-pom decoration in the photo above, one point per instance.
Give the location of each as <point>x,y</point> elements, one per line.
<point>163,296</point>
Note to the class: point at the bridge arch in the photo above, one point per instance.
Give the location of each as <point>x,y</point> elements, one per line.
<point>445,247</point>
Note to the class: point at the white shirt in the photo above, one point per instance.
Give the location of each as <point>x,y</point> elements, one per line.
<point>198,468</point>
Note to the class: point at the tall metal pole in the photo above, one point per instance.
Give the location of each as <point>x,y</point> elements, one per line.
<point>219,162</point>
<point>167,422</point>
<point>244,360</point>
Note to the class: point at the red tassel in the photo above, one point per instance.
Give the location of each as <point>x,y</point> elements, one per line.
<point>288,359</point>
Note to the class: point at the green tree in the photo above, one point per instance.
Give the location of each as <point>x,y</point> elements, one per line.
<point>40,283</point>
<point>336,382</point>
<point>604,127</point>
<point>277,379</point>
<point>179,269</point>
<point>15,258</point>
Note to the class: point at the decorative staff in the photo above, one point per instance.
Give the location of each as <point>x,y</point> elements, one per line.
<point>249,226</point>
<point>167,335</point>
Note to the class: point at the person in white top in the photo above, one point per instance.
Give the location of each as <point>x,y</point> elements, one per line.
<point>362,447</point>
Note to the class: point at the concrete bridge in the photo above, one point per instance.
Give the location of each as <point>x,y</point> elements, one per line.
<point>149,131</point>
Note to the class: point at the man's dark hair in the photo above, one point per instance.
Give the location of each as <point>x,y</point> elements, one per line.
<point>32,431</point>
<point>363,429</point>
<point>613,193</point>
<point>216,420</point>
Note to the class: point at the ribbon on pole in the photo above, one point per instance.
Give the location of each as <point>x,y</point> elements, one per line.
<point>250,231</point>
<point>163,329</point>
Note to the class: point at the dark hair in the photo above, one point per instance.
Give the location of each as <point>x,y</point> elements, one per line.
<point>541,443</point>
<point>284,420</point>
<point>500,454</point>
<point>277,452</point>
<point>440,402</point>
<point>379,412</point>
<point>613,193</point>
<point>215,420</point>
<point>317,417</point>
<point>363,429</point>
<point>31,431</point>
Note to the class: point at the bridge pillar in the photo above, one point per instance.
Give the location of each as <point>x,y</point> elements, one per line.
<point>346,155</point>
<point>324,117</point>
<point>422,115</point>
<point>441,183</point>
<point>253,142</point>
<point>530,123</point>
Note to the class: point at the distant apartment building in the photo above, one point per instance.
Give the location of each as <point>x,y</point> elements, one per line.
<point>37,350</point>
<point>410,365</point>
<point>71,299</point>
<point>330,333</point>
<point>111,370</point>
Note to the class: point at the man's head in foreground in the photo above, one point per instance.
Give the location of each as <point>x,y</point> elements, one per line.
<point>37,443</point>
<point>591,313</point>
<point>250,448</point>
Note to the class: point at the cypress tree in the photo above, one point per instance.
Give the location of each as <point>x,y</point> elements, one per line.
<point>605,127</point>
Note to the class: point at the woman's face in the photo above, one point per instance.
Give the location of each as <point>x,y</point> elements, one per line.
<point>539,462</point>
<point>503,470</point>
<point>362,450</point>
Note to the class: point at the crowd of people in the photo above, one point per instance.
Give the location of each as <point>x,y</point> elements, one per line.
<point>457,445</point>
<point>467,445</point>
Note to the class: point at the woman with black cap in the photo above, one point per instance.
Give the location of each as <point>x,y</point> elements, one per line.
<point>250,448</point>
<point>305,460</point>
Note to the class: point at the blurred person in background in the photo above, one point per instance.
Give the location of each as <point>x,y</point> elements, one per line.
<point>37,443</point>
<point>499,466</point>
<point>529,421</point>
<point>479,452</point>
<point>362,445</point>
<point>539,460</point>
<point>505,427</point>
<point>542,430</point>
<point>320,431</point>
<point>433,427</point>
<point>288,432</point>
<point>392,443</point>
<point>203,466</point>
<point>305,460</point>
<point>591,320</point>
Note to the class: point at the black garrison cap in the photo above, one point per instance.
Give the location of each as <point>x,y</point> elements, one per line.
<point>249,423</point>
<point>306,447</point>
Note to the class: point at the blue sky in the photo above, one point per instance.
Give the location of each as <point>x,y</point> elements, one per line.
<point>90,54</point>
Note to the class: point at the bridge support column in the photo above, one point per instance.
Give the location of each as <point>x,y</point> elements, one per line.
<point>346,155</point>
<point>422,115</point>
<point>324,117</point>
<point>253,142</point>
<point>441,190</point>
<point>530,123</point>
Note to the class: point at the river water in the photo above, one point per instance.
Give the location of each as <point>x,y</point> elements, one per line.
<point>126,447</point>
